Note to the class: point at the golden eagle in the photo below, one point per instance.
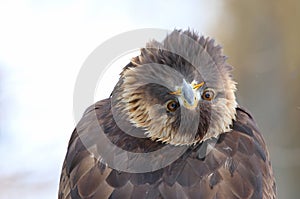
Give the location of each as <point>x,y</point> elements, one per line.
<point>170,129</point>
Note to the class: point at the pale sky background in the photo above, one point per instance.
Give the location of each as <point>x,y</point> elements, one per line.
<point>43,45</point>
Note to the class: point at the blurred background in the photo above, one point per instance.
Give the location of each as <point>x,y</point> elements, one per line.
<point>43,44</point>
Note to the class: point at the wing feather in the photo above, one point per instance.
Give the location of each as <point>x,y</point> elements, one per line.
<point>238,166</point>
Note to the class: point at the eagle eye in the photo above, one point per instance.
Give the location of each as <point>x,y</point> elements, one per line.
<point>208,95</point>
<point>172,105</point>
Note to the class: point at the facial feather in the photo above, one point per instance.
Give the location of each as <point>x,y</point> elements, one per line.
<point>146,83</point>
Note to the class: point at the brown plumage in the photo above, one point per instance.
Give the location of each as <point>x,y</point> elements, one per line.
<point>226,156</point>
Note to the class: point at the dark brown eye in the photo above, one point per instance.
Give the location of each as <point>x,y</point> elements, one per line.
<point>172,105</point>
<point>208,95</point>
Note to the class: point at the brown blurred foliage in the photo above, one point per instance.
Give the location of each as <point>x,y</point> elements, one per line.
<point>262,39</point>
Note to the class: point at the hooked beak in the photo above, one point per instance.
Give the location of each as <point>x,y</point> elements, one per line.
<point>188,94</point>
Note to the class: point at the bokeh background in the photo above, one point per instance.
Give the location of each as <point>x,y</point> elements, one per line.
<point>43,45</point>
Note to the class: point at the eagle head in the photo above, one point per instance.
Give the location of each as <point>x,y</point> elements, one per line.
<point>179,91</point>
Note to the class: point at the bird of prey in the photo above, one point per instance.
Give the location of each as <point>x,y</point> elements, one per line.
<point>171,128</point>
